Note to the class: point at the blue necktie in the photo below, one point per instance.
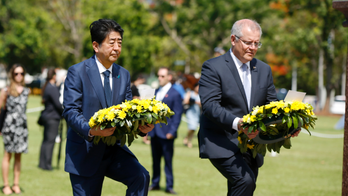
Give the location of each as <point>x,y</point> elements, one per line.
<point>107,89</point>
<point>246,83</point>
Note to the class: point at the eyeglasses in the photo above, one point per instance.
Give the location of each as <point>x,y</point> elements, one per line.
<point>16,74</point>
<point>250,44</point>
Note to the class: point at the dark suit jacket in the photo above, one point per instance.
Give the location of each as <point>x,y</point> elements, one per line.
<point>223,99</point>
<point>174,102</point>
<point>53,108</point>
<point>83,96</point>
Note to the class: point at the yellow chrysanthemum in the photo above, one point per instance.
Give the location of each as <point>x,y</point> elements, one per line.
<point>240,140</point>
<point>286,110</point>
<point>139,108</point>
<point>146,105</point>
<point>136,101</point>
<point>274,111</point>
<point>155,109</point>
<point>252,118</point>
<point>122,115</point>
<point>250,146</point>
<point>110,116</point>
<point>91,122</point>
<point>245,118</point>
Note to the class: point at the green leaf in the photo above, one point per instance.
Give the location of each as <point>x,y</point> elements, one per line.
<point>135,126</point>
<point>254,152</point>
<point>289,122</point>
<point>262,126</point>
<point>155,116</point>
<point>295,121</point>
<point>123,140</point>
<point>287,143</point>
<point>130,139</point>
<point>250,129</point>
<point>148,118</point>
<point>113,140</point>
<point>122,123</point>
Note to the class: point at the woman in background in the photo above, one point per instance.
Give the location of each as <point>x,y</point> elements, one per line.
<point>52,115</point>
<point>15,131</point>
<point>192,114</point>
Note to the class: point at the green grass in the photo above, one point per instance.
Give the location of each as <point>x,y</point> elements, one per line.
<point>312,167</point>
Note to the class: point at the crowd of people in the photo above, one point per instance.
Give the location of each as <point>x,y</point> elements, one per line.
<point>225,92</point>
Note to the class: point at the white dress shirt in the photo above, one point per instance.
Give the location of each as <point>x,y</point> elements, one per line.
<point>239,64</point>
<point>163,91</point>
<point>101,69</point>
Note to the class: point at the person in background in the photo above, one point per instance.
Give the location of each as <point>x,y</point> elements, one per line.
<point>52,115</point>
<point>140,79</point>
<point>218,51</point>
<point>176,83</point>
<point>162,136</point>
<point>15,130</point>
<point>192,114</point>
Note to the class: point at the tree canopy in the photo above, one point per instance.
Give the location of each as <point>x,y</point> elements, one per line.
<point>296,34</point>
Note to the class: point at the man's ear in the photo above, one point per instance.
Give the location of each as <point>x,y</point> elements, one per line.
<point>95,46</point>
<point>233,40</point>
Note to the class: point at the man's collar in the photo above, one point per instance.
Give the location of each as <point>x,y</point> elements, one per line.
<point>101,67</point>
<point>237,62</point>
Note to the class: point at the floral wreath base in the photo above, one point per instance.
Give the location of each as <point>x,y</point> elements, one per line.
<point>269,139</point>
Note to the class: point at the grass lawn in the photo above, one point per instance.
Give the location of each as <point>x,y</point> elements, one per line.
<point>312,167</point>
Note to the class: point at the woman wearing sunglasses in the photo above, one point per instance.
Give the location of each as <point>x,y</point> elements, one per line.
<point>14,131</point>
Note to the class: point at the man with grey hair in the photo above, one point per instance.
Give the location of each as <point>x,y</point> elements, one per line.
<point>230,86</point>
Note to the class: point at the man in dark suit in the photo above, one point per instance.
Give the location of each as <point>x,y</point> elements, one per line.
<point>230,86</point>
<point>162,138</point>
<point>91,85</point>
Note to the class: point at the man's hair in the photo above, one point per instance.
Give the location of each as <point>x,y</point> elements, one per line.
<point>240,24</point>
<point>101,28</point>
<point>167,68</point>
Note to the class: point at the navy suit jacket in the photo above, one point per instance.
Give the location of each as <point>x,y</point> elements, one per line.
<point>223,99</point>
<point>83,96</point>
<point>174,102</point>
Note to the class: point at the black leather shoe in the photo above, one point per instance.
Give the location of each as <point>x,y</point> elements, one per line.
<point>154,188</point>
<point>171,191</point>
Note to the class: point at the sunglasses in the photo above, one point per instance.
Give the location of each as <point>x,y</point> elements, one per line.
<point>16,74</point>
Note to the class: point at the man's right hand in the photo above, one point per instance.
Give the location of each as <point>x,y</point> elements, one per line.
<point>105,132</point>
<point>251,135</point>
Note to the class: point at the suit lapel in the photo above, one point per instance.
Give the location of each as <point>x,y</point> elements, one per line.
<point>254,79</point>
<point>94,77</point>
<point>230,64</point>
<point>116,82</point>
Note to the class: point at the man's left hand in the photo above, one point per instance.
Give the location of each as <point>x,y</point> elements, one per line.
<point>146,128</point>
<point>296,133</point>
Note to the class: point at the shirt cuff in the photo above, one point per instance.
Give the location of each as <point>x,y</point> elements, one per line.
<point>89,134</point>
<point>235,123</point>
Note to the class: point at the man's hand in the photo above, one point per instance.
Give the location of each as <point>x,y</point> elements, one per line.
<point>146,128</point>
<point>169,136</point>
<point>105,132</point>
<point>296,133</point>
<point>245,130</point>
